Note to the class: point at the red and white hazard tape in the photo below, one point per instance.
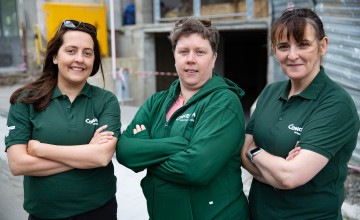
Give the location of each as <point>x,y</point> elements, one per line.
<point>149,73</point>
<point>352,167</point>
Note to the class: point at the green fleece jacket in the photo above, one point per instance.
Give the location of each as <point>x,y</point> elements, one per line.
<point>192,160</point>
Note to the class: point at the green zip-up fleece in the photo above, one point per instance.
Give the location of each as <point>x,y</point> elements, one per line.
<point>193,160</point>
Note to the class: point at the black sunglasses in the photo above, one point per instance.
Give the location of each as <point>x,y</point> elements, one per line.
<point>206,23</point>
<point>73,24</point>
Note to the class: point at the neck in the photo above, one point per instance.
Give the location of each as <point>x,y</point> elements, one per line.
<point>299,85</point>
<point>187,94</point>
<point>70,90</point>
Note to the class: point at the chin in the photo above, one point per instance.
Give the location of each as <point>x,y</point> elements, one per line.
<point>296,76</point>
<point>294,72</point>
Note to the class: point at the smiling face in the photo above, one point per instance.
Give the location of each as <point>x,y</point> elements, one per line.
<point>300,61</point>
<point>194,61</point>
<point>75,58</point>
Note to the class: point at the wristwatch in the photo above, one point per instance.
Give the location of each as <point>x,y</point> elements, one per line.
<point>254,152</point>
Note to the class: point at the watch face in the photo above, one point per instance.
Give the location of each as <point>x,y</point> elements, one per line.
<point>255,150</point>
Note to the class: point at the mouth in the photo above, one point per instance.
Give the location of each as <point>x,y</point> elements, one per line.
<point>294,65</point>
<point>77,68</point>
<point>191,71</point>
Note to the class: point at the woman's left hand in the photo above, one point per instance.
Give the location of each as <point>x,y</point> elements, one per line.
<point>294,152</point>
<point>139,128</point>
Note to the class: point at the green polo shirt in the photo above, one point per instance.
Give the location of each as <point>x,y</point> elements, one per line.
<point>324,119</point>
<point>65,123</point>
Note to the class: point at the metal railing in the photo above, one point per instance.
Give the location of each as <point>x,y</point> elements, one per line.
<point>249,13</point>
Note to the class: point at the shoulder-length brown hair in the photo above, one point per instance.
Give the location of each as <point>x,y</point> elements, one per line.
<point>293,22</point>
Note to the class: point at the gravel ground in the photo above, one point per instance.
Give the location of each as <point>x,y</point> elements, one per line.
<point>353,187</point>
<point>351,206</point>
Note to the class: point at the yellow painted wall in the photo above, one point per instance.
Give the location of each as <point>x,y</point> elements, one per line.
<point>94,14</point>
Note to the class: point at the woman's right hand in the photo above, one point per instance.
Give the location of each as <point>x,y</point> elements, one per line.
<point>101,137</point>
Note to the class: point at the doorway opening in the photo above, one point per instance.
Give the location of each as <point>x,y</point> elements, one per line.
<point>245,60</point>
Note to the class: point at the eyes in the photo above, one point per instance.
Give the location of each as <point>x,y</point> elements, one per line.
<point>199,52</point>
<point>73,50</point>
<point>285,46</point>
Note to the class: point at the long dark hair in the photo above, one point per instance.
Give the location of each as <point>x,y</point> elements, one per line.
<point>40,91</point>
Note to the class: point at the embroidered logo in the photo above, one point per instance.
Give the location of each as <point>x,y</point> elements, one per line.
<point>297,130</point>
<point>92,121</point>
<point>186,117</point>
<point>8,129</point>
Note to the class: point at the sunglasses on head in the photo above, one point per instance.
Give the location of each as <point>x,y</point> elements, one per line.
<point>206,23</point>
<point>73,24</point>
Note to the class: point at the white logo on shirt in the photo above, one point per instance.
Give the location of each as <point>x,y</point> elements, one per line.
<point>186,117</point>
<point>92,121</point>
<point>297,130</point>
<point>8,129</point>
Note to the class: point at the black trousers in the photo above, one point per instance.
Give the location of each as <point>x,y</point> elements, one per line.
<point>105,212</point>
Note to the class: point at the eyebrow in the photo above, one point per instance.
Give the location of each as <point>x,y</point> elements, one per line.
<point>310,41</point>
<point>282,43</point>
<point>74,46</point>
<point>196,48</point>
<point>303,40</point>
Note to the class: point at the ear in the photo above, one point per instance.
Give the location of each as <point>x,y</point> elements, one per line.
<point>55,60</point>
<point>214,58</point>
<point>324,45</point>
<point>273,51</point>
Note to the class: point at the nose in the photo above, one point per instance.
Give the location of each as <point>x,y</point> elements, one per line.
<point>293,53</point>
<point>79,58</point>
<point>191,57</point>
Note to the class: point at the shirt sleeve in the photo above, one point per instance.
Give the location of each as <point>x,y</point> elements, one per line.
<point>111,115</point>
<point>138,151</point>
<point>217,138</point>
<point>18,126</point>
<point>332,124</point>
